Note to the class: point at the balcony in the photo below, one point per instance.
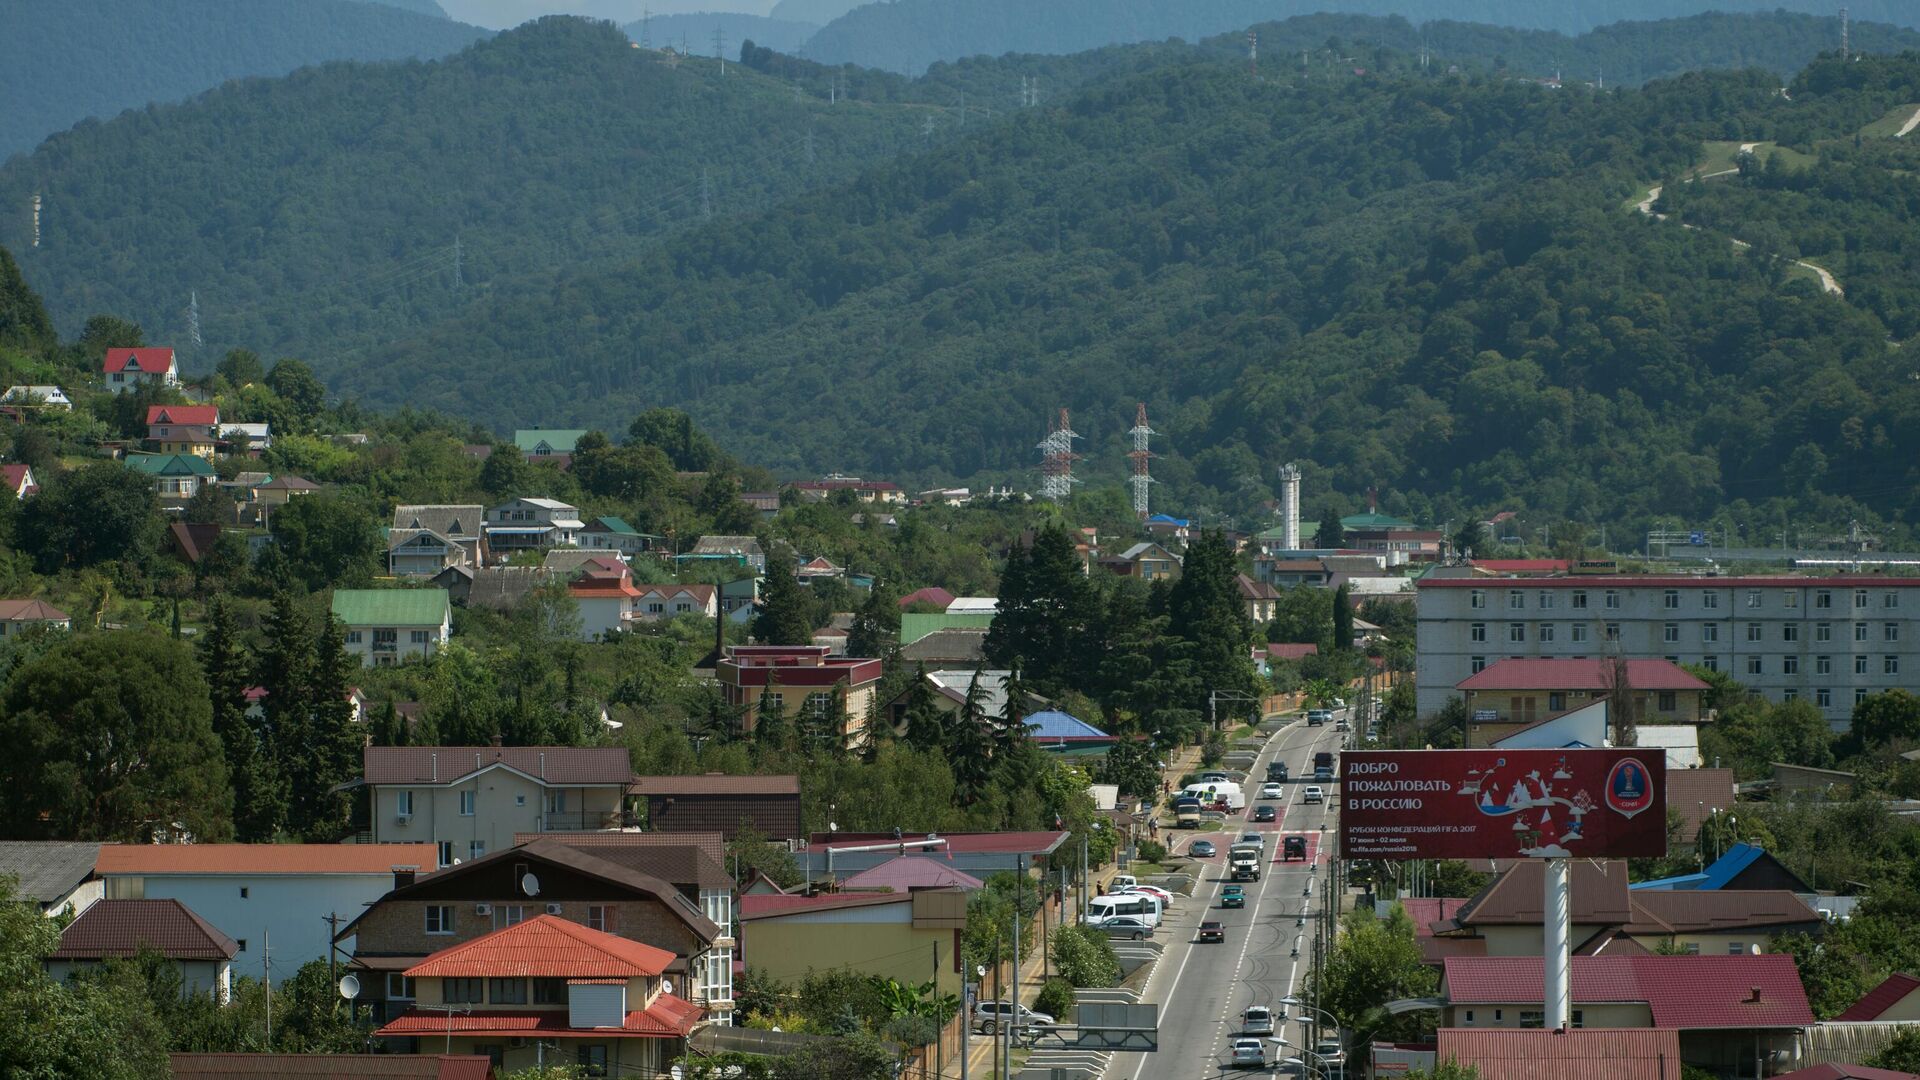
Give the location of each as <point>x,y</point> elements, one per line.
<point>587,821</point>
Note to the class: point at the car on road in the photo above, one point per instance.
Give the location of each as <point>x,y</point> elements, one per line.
<point>1277,771</point>
<point>1324,774</point>
<point>1294,847</point>
<point>1316,717</point>
<point>1155,891</point>
<point>1131,927</point>
<point>1215,778</point>
<point>1202,849</point>
<point>1343,726</point>
<point>1253,838</point>
<point>1257,1020</point>
<point>1265,813</point>
<point>992,1016</point>
<point>1249,1054</point>
<point>1213,931</point>
<point>1233,896</point>
<point>1314,794</point>
<point>1272,791</point>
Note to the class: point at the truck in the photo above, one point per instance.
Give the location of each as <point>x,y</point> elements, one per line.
<point>1276,772</point>
<point>1186,812</point>
<point>1323,760</point>
<point>1244,859</point>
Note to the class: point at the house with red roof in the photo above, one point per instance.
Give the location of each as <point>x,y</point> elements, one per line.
<point>127,368</point>
<point>123,929</point>
<point>16,616</point>
<point>329,1067</point>
<point>1575,1054</point>
<point>183,429</point>
<point>1726,1009</point>
<point>606,1000</point>
<point>19,479</point>
<point>932,596</point>
<point>1898,998</point>
<point>1519,691</point>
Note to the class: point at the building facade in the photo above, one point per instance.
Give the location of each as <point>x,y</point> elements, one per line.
<point>1829,641</point>
<point>468,800</point>
<point>808,680</point>
<point>388,626</point>
<point>531,525</point>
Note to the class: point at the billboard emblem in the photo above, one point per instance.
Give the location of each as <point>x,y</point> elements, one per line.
<point>1628,792</point>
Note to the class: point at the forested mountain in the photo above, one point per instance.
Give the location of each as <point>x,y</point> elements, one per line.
<point>813,11</point>
<point>695,32</point>
<point>1431,285</point>
<point>62,62</point>
<point>310,211</point>
<point>909,35</point>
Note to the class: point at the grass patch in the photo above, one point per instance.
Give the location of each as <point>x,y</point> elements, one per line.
<point>1887,126</point>
<point>1722,155</point>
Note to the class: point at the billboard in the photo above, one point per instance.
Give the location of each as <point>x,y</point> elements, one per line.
<point>1503,804</point>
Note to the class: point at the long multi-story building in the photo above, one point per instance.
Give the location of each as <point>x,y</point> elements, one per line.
<point>1830,641</point>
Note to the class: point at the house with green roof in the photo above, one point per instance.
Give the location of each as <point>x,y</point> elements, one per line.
<point>613,534</point>
<point>388,626</point>
<point>1374,520</point>
<point>546,442</point>
<point>176,477</point>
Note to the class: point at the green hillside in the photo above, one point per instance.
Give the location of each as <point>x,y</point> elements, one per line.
<point>1425,285</point>
<point>323,208</point>
<point>61,63</point>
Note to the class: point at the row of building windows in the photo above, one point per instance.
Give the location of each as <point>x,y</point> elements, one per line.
<point>1756,665</point>
<point>1670,632</point>
<point>1823,599</point>
<point>440,919</point>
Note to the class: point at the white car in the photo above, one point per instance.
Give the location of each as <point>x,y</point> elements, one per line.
<point>1257,1020</point>
<point>1249,1054</point>
<point>1314,794</point>
<point>1272,791</point>
<point>991,1016</point>
<point>1154,891</point>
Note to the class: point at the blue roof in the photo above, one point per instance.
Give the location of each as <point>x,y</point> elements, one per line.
<point>1164,519</point>
<point>1684,881</point>
<point>1052,724</point>
<point>1717,876</point>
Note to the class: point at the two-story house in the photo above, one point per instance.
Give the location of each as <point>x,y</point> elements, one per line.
<point>531,525</point>
<point>614,534</point>
<point>469,800</point>
<point>545,877</point>
<point>183,429</point>
<point>422,553</point>
<point>465,525</point>
<point>603,590</point>
<point>807,680</point>
<point>246,439</point>
<point>1261,599</point>
<point>658,602</point>
<point>261,893</point>
<point>388,626</point>
<point>1147,561</point>
<point>744,548</point>
<point>176,477</point>
<point>17,616</point>
<point>169,929</point>
<point>127,368</point>
<point>602,1000</point>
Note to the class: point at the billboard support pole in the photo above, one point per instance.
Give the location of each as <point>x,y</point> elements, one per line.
<point>1558,929</point>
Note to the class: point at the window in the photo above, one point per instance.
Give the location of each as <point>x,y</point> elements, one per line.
<point>1478,598</point>
<point>1753,665</point>
<point>1790,599</point>
<point>818,705</point>
<point>1890,665</point>
<point>466,804</point>
<point>446,852</point>
<point>1579,599</point>
<point>601,917</point>
<point>1693,948</point>
<point>1579,632</point>
<point>1789,665</point>
<point>549,991</point>
<point>505,915</point>
<point>1791,693</point>
<point>1546,631</point>
<point>1516,600</point>
<point>1709,599</point>
<point>1496,1015</point>
<point>520,800</point>
<point>1613,600</point>
<point>419,637</point>
<point>463,991</point>
<point>1516,631</point>
<point>1790,631</point>
<point>1532,1018</point>
<point>507,991</point>
<point>1613,631</point>
<point>385,637</point>
<point>403,802</point>
<point>1753,598</point>
<point>1469,1016</point>
<point>475,849</point>
<point>1711,663</point>
<point>399,987</point>
<point>1823,665</point>
<point>240,944</point>
<point>1710,631</point>
<point>593,1059</point>
<point>1556,701</point>
<point>353,637</point>
<point>1823,631</point>
<point>1859,598</point>
<point>1546,600</point>
<point>1890,600</point>
<point>1668,701</point>
<point>439,919</point>
<point>1859,665</point>
<point>1670,632</point>
<point>1859,696</point>
<point>1823,697</point>
<point>1823,599</point>
<point>1753,631</point>
<point>1891,632</point>
<point>1479,631</point>
<point>1479,664</point>
<point>243,892</point>
<point>1736,948</point>
<point>1671,600</point>
<point>556,802</point>
<point>1859,631</point>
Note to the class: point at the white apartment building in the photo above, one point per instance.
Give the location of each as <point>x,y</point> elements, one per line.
<point>1830,641</point>
<point>469,800</point>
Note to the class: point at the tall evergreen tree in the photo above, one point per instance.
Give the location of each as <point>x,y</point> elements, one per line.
<point>329,742</point>
<point>925,720</point>
<point>1343,617</point>
<point>970,745</point>
<point>786,611</point>
<point>258,807</point>
<point>388,727</point>
<point>876,626</point>
<point>1047,612</point>
<point>772,725</point>
<point>1012,729</point>
<point>1206,614</point>
<point>1331,534</point>
<point>286,675</point>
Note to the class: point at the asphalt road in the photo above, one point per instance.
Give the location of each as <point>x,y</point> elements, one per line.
<point>1202,989</point>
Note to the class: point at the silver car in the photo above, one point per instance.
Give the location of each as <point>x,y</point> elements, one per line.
<point>1249,1054</point>
<point>992,1016</point>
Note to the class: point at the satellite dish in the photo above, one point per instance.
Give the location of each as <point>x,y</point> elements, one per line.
<point>349,987</point>
<point>666,986</point>
<point>529,884</point>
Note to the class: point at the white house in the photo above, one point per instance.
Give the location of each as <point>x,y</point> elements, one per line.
<point>18,615</point>
<point>127,368</point>
<point>123,929</point>
<point>273,900</point>
<point>38,396</point>
<point>387,626</point>
<point>532,524</point>
<point>658,602</point>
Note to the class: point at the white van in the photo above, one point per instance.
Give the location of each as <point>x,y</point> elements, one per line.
<point>1140,905</point>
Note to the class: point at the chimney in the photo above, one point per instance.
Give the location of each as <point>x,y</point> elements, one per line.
<point>1753,995</point>
<point>496,739</point>
<point>436,767</point>
<point>543,764</point>
<point>403,876</point>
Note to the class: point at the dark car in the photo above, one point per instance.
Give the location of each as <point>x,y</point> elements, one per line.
<point>1212,931</point>
<point>1294,847</point>
<point>1233,896</point>
<point>1264,813</point>
<point>1202,849</point>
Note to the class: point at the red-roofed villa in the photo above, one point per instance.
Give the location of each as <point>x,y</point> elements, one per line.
<point>1521,691</point>
<point>128,368</point>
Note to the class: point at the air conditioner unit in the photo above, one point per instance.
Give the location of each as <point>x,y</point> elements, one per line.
<point>553,909</point>
<point>403,817</point>
<point>518,1042</point>
<point>483,909</point>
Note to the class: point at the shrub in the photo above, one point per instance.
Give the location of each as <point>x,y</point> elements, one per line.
<point>911,1030</point>
<point>1152,850</point>
<point>1085,957</point>
<point>1055,998</point>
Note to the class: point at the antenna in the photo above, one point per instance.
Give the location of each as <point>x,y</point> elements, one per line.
<point>1843,35</point>
<point>1253,53</point>
<point>706,195</point>
<point>646,33</point>
<point>1140,455</point>
<point>720,48</point>
<point>1056,460</point>
<point>36,221</point>
<point>193,320</point>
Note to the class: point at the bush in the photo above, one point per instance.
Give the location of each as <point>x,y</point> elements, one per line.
<point>911,1030</point>
<point>1085,957</point>
<point>1152,850</point>
<point>1055,999</point>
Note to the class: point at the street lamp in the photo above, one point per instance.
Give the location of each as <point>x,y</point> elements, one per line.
<point>1319,1069</point>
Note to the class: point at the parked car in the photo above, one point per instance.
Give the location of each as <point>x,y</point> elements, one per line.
<point>1202,849</point>
<point>1271,791</point>
<point>1249,1054</point>
<point>1343,726</point>
<point>1314,794</point>
<point>1131,927</point>
<point>1233,896</point>
<point>991,1016</point>
<point>1294,847</point>
<point>1155,891</point>
<point>1265,813</point>
<point>1213,931</point>
<point>1257,1020</point>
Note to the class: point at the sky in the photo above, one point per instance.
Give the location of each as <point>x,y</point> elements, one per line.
<point>501,14</point>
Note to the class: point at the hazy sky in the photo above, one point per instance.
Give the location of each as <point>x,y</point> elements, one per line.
<point>500,14</point>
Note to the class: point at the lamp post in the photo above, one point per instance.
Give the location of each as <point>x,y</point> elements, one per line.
<point>1294,1002</point>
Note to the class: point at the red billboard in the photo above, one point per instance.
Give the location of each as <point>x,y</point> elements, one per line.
<point>1503,804</point>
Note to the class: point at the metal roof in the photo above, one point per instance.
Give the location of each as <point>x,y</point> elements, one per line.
<point>331,1066</point>
<point>1881,998</point>
<point>912,872</point>
<point>227,859</point>
<point>1682,992</point>
<point>1575,1054</point>
<point>1545,673</point>
<point>545,946</point>
<point>559,765</point>
<point>390,607</point>
<point>111,929</point>
<point>47,869</point>
<point>715,784</point>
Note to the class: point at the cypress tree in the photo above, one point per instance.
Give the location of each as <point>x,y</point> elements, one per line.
<point>786,611</point>
<point>329,742</point>
<point>1331,533</point>
<point>1342,617</point>
<point>257,807</point>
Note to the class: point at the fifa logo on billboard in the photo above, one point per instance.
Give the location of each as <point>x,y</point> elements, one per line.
<point>1628,790</point>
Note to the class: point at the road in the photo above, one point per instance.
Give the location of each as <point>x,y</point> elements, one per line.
<point>1202,989</point>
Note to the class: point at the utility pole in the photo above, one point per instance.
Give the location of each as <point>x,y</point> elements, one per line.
<point>36,221</point>
<point>646,32</point>
<point>926,129</point>
<point>1843,35</point>
<point>266,966</point>
<point>939,1068</point>
<point>720,48</point>
<point>1253,54</point>
<point>1013,996</point>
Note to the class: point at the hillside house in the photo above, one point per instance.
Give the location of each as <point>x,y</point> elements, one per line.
<point>17,616</point>
<point>867,491</point>
<point>124,929</point>
<point>810,683</point>
<point>56,876</point>
<point>390,626</point>
<point>464,524</point>
<point>608,600</point>
<point>1261,599</point>
<point>248,439</point>
<point>127,368</point>
<point>1147,561</point>
<point>176,477</point>
<point>19,480</point>
<point>723,804</point>
<point>469,800</point>
<point>531,525</point>
<point>183,429</point>
<point>38,396</point>
<point>547,442</point>
<point>422,553</point>
<point>614,534</point>
<point>745,548</point>
<point>657,602</point>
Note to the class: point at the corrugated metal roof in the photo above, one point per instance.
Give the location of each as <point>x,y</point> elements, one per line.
<point>188,415</point>
<point>1694,793</point>
<point>711,844</point>
<point>912,872</point>
<point>1576,1054</point>
<point>767,905</point>
<point>1881,998</point>
<point>331,1066</point>
<point>1052,725</point>
<point>567,765</point>
<point>668,1017</point>
<point>1548,673</point>
<point>981,843</point>
<point>460,521</point>
<point>1692,911</point>
<point>152,359</point>
<point>545,946</point>
<point>1840,1070</point>
<point>1683,992</point>
<point>1518,895</point>
<point>390,607</point>
<point>155,859</point>
<point>47,869</point>
<point>715,784</point>
<point>122,928</point>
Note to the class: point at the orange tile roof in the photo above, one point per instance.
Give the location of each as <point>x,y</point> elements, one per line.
<point>545,947</point>
<point>668,1017</point>
<point>330,1066</point>
<point>261,858</point>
